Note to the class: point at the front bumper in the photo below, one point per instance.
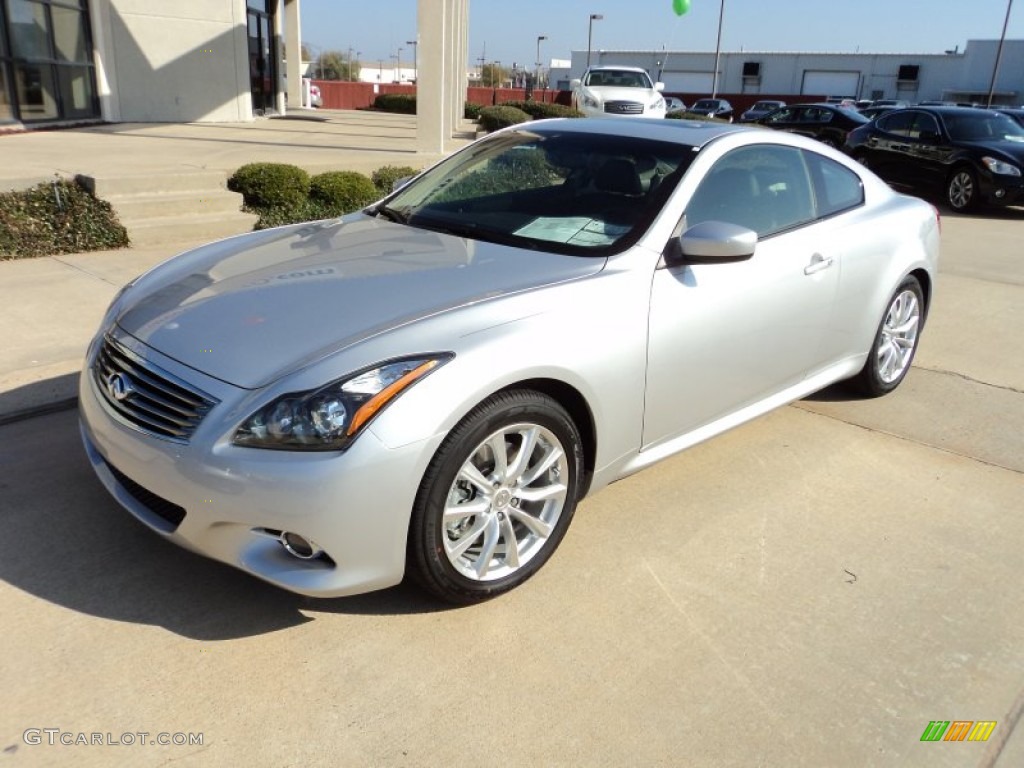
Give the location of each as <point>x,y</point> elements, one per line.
<point>997,189</point>
<point>355,505</point>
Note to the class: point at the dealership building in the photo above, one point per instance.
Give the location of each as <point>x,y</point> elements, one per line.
<point>68,62</point>
<point>956,75</point>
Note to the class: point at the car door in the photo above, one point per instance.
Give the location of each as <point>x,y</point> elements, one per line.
<point>727,335</point>
<point>929,152</point>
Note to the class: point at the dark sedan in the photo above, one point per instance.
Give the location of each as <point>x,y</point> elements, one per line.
<point>970,156</point>
<point>827,123</point>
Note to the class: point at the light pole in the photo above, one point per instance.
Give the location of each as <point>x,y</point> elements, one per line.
<point>415,65</point>
<point>398,66</point>
<point>718,50</point>
<point>539,63</point>
<point>999,54</point>
<point>590,33</point>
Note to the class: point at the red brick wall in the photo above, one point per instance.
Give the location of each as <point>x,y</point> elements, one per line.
<point>343,95</point>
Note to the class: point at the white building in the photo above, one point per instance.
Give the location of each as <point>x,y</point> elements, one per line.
<point>953,76</point>
<point>71,61</point>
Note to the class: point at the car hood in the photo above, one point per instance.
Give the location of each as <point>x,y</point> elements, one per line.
<point>610,93</point>
<point>250,309</point>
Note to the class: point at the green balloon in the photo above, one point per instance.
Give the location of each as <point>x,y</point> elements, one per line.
<point>680,6</point>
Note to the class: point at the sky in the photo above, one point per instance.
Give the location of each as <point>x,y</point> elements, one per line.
<point>508,31</point>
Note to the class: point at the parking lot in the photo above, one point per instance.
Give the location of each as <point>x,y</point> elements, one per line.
<point>812,588</point>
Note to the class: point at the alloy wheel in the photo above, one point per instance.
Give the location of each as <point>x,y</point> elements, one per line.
<point>898,337</point>
<point>505,502</point>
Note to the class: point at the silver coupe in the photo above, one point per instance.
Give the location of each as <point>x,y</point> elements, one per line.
<point>430,386</point>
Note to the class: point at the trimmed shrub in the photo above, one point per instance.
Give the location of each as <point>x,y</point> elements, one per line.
<point>342,191</point>
<point>402,103</point>
<point>540,110</point>
<point>472,111</point>
<point>495,118</point>
<point>56,217</point>
<point>694,116</point>
<point>384,178</point>
<point>270,184</point>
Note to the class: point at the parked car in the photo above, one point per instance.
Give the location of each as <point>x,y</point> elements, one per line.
<point>673,105</point>
<point>760,109</point>
<point>618,92</point>
<point>893,103</point>
<point>872,113</point>
<point>827,123</point>
<point>429,386</point>
<point>968,156</point>
<point>719,108</point>
<point>314,96</point>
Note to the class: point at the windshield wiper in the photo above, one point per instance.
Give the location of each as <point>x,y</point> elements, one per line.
<point>391,214</point>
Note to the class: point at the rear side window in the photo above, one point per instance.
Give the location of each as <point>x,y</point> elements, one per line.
<point>836,188</point>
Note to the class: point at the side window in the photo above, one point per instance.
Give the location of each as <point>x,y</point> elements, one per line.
<point>784,116</point>
<point>897,123</point>
<point>836,188</point>
<point>764,187</point>
<point>926,125</point>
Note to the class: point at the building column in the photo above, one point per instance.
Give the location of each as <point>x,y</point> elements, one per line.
<point>293,46</point>
<point>443,27</point>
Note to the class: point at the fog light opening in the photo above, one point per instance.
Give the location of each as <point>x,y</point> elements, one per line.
<point>1000,193</point>
<point>299,546</point>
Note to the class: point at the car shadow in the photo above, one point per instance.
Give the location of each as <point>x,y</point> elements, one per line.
<point>68,542</point>
<point>840,392</point>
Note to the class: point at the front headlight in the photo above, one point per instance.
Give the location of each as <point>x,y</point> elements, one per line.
<point>590,101</point>
<point>329,418</point>
<point>658,103</point>
<point>998,166</point>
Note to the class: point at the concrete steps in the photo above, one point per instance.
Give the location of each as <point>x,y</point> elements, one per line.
<point>174,207</point>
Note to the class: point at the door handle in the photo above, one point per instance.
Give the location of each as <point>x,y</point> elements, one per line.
<point>818,263</point>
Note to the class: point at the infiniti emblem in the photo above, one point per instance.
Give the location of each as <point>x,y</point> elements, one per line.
<point>119,386</point>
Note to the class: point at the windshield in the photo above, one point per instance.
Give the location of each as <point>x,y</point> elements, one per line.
<point>562,191</point>
<point>973,126</point>
<point>618,78</point>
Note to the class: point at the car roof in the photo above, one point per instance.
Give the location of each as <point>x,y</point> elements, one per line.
<point>616,69</point>
<point>695,133</point>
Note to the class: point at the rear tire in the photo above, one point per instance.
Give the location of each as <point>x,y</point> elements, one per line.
<point>497,498</point>
<point>895,342</point>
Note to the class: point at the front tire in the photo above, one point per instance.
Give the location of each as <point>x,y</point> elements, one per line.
<point>497,498</point>
<point>962,190</point>
<point>895,342</point>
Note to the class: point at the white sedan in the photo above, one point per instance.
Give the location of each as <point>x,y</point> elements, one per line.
<point>618,92</point>
<point>428,387</point>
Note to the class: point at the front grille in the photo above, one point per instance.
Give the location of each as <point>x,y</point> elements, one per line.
<point>147,397</point>
<point>158,505</point>
<point>624,108</point>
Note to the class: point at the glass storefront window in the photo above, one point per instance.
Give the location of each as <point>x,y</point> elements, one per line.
<point>30,35</point>
<point>69,40</point>
<point>36,91</point>
<point>76,91</point>
<point>6,109</point>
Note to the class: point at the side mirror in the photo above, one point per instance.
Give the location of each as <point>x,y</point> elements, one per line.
<point>659,87</point>
<point>576,83</point>
<point>712,242</point>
